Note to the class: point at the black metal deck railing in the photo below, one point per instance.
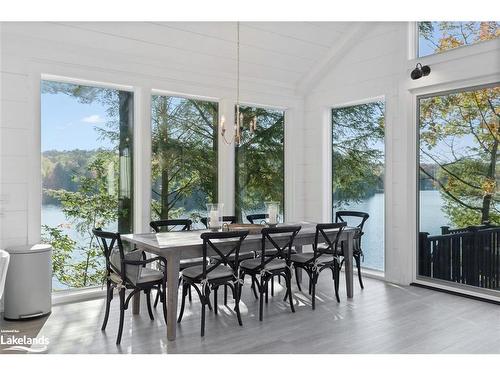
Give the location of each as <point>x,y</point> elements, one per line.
<point>468,256</point>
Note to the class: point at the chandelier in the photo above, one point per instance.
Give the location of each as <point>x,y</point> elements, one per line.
<point>238,120</point>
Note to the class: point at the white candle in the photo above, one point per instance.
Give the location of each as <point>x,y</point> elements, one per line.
<point>272,213</point>
<point>214,219</point>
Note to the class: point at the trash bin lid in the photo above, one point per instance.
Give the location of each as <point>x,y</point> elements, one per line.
<point>29,249</point>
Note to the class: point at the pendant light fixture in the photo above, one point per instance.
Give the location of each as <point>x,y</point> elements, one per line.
<point>239,119</point>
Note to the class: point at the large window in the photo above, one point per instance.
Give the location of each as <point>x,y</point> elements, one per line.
<point>86,175</point>
<point>459,207</point>
<point>435,37</point>
<point>358,172</point>
<point>184,157</point>
<point>259,175</point>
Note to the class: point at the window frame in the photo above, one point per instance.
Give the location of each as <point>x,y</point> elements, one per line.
<point>329,173</point>
<point>166,93</point>
<point>37,189</point>
<point>416,40</point>
<point>284,166</point>
<point>424,280</point>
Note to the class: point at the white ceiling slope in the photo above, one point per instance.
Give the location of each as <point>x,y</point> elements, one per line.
<point>291,55</point>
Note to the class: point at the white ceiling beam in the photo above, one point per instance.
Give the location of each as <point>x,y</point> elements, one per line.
<point>320,69</point>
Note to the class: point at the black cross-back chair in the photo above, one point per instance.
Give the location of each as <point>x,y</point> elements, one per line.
<point>242,256</point>
<point>225,219</point>
<point>175,225</point>
<point>276,264</point>
<point>342,216</point>
<point>325,255</point>
<point>257,218</point>
<point>171,225</point>
<point>128,271</point>
<point>223,271</point>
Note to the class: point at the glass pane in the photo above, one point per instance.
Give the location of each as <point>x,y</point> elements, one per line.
<point>459,136</point>
<point>184,157</point>
<point>259,162</point>
<point>358,172</point>
<point>86,176</point>
<point>435,37</point>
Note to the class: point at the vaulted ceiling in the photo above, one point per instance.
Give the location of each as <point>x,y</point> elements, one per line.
<point>286,54</point>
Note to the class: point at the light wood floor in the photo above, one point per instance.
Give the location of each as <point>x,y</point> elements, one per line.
<point>382,318</point>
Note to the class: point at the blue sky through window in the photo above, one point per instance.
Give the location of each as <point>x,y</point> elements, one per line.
<point>68,124</point>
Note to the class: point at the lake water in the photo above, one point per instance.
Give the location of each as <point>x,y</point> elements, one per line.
<point>432,218</point>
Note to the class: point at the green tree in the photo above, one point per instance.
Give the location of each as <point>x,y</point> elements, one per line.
<point>459,133</point>
<point>93,205</point>
<point>259,175</point>
<point>184,155</point>
<point>358,156</point>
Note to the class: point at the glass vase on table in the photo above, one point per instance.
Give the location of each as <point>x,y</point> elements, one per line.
<point>272,212</point>
<point>214,216</point>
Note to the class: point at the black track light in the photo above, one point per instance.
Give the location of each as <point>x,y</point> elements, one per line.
<point>420,71</point>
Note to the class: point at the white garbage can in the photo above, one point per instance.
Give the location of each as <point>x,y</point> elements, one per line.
<point>28,287</point>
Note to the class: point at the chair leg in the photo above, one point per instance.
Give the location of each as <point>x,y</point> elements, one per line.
<point>336,283</point>
<point>157,298</point>
<point>225,295</point>
<point>183,303</point>
<point>310,290</point>
<point>164,301</point>
<point>314,281</point>
<point>109,297</point>
<point>205,301</point>
<point>254,288</point>
<point>148,302</point>
<point>297,279</point>
<point>203,319</point>
<point>358,266</point>
<point>272,286</point>
<point>190,298</point>
<point>267,291</point>
<point>122,316</point>
<point>289,288</point>
<point>261,299</point>
<point>236,297</point>
<point>215,299</point>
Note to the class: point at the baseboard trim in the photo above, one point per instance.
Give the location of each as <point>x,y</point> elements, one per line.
<point>455,293</point>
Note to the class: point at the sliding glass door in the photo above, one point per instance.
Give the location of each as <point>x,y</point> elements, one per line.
<point>358,164</point>
<point>87,158</point>
<point>184,157</point>
<point>259,164</point>
<point>459,200</point>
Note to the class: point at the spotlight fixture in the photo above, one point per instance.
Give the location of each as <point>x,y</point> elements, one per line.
<point>420,71</point>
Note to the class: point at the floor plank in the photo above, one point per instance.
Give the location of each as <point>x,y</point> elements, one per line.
<point>382,318</point>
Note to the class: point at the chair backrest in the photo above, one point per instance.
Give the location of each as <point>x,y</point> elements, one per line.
<point>4,265</point>
<point>342,216</point>
<point>329,234</point>
<point>256,218</point>
<point>223,254</point>
<point>278,236</point>
<point>225,219</point>
<point>109,240</point>
<point>171,225</point>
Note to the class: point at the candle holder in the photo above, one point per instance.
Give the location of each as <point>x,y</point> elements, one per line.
<point>214,216</point>
<point>273,210</point>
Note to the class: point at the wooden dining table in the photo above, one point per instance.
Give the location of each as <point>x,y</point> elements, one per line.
<point>174,246</point>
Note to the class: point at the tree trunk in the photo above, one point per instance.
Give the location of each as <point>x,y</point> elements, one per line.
<point>485,211</point>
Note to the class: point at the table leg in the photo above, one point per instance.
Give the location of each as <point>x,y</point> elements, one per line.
<point>173,262</point>
<point>348,271</point>
<point>299,271</point>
